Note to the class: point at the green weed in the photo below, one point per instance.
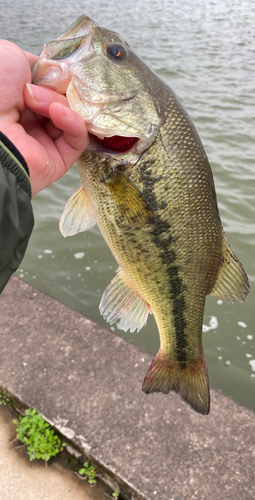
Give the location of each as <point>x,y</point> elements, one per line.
<point>89,471</point>
<point>115,495</point>
<point>38,436</point>
<point>4,400</point>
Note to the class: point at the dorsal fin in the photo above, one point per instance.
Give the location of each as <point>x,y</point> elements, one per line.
<point>121,302</point>
<point>232,281</point>
<point>78,214</point>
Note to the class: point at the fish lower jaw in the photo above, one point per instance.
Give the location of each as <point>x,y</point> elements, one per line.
<point>50,74</point>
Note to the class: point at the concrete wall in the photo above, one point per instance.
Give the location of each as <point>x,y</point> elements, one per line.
<point>87,382</point>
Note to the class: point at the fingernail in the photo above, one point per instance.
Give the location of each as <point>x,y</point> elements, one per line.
<point>64,110</point>
<point>39,94</point>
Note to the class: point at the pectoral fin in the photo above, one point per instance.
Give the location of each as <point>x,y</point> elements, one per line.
<point>78,214</point>
<point>121,302</point>
<point>129,201</point>
<point>232,282</point>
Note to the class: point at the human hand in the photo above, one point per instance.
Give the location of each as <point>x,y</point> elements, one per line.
<point>38,121</point>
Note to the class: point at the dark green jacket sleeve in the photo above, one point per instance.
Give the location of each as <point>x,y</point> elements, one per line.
<point>16,215</point>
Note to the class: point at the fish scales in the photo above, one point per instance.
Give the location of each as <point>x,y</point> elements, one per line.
<point>168,251</point>
<point>147,183</point>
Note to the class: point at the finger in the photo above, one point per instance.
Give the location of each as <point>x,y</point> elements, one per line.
<point>27,116</point>
<point>38,98</point>
<point>41,119</point>
<point>31,58</point>
<point>74,139</point>
<point>52,131</point>
<point>72,124</point>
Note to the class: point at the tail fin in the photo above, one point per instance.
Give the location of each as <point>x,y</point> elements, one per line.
<point>190,382</point>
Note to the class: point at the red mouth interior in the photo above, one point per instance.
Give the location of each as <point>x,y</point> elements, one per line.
<point>118,143</point>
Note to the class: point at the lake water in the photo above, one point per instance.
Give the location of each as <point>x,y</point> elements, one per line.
<point>205,50</point>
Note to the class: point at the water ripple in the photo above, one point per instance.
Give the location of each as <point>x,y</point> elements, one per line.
<point>204,49</point>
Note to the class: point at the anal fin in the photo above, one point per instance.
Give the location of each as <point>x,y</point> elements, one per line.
<point>120,301</point>
<point>232,281</point>
<point>78,214</point>
<point>191,381</point>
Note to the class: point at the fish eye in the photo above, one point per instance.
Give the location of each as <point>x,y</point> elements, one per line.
<point>116,52</point>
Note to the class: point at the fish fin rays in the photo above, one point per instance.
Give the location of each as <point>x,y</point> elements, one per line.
<point>121,302</point>
<point>190,382</point>
<point>78,214</point>
<point>232,281</point>
<point>129,201</point>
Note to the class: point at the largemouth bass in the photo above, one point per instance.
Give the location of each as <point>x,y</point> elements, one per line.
<point>147,183</point>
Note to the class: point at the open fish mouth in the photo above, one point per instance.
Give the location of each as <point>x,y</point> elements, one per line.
<point>99,110</point>
<point>102,140</point>
<point>73,45</point>
<point>83,65</point>
<point>117,143</point>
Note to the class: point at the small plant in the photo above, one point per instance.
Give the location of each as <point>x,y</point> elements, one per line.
<point>89,471</point>
<point>4,400</point>
<point>40,438</point>
<point>115,495</point>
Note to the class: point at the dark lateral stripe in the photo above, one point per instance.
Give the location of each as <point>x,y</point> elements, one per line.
<point>163,239</point>
<point>180,327</point>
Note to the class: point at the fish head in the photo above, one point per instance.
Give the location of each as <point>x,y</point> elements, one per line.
<point>106,83</point>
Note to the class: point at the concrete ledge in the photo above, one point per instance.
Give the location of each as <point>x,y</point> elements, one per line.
<point>87,382</point>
